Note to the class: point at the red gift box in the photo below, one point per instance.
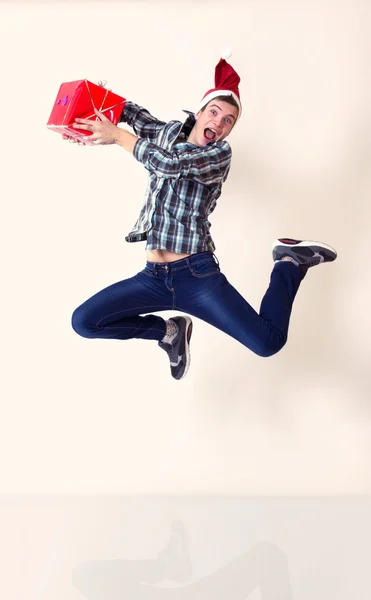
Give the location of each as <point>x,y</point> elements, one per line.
<point>77,99</point>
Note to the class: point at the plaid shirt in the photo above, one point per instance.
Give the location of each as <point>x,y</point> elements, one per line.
<point>184,183</point>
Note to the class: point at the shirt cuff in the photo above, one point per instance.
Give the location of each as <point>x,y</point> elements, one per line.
<point>142,150</point>
<point>129,112</point>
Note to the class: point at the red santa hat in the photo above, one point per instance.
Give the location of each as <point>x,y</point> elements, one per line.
<point>226,82</point>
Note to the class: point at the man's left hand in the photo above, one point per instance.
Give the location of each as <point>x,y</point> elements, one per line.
<point>104,132</point>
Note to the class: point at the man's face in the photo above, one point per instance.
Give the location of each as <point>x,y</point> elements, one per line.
<point>214,123</point>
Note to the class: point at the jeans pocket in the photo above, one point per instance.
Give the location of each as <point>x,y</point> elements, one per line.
<point>148,272</point>
<point>204,269</point>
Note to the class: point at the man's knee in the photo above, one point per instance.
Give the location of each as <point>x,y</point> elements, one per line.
<point>269,348</point>
<point>81,325</point>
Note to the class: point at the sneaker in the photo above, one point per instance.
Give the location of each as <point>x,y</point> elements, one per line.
<point>178,349</point>
<point>305,253</point>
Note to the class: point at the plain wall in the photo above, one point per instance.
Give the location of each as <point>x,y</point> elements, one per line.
<point>90,416</point>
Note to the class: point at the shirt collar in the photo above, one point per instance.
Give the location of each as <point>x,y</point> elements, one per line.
<point>188,123</point>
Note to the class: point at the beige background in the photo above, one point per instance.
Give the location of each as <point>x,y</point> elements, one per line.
<point>100,416</point>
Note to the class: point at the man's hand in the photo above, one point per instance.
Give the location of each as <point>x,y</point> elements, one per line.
<point>104,132</point>
<point>73,140</point>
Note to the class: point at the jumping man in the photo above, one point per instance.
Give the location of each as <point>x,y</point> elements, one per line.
<point>187,164</point>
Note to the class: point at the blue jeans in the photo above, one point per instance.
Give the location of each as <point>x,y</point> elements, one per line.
<point>196,286</point>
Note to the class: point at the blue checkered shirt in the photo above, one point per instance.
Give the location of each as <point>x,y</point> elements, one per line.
<point>184,183</point>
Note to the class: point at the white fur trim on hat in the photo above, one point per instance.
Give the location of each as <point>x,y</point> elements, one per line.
<point>217,93</point>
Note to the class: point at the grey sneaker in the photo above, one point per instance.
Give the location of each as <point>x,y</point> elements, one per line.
<point>305,253</point>
<point>178,350</point>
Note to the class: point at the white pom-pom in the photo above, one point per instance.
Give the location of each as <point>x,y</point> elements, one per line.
<point>227,53</point>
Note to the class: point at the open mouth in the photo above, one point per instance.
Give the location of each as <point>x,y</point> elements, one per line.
<point>210,134</point>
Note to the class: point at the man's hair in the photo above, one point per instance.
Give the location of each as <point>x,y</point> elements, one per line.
<point>229,99</point>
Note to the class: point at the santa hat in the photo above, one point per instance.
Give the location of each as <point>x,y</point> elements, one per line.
<point>226,82</point>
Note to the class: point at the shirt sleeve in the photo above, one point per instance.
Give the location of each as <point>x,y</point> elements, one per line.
<point>206,164</point>
<point>143,123</point>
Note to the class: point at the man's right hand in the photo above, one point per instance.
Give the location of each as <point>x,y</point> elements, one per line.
<point>74,140</point>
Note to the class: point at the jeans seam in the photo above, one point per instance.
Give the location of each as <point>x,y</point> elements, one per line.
<point>120,312</point>
<point>136,328</point>
<point>206,275</point>
<point>150,275</point>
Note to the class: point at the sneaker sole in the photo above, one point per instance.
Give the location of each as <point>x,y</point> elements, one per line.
<point>188,335</point>
<point>316,246</point>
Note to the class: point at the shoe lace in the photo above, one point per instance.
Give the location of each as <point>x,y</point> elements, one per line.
<point>169,349</point>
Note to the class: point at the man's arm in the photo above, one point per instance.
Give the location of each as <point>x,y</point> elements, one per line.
<point>105,132</point>
<point>207,164</point>
<point>126,140</point>
<point>143,123</point>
